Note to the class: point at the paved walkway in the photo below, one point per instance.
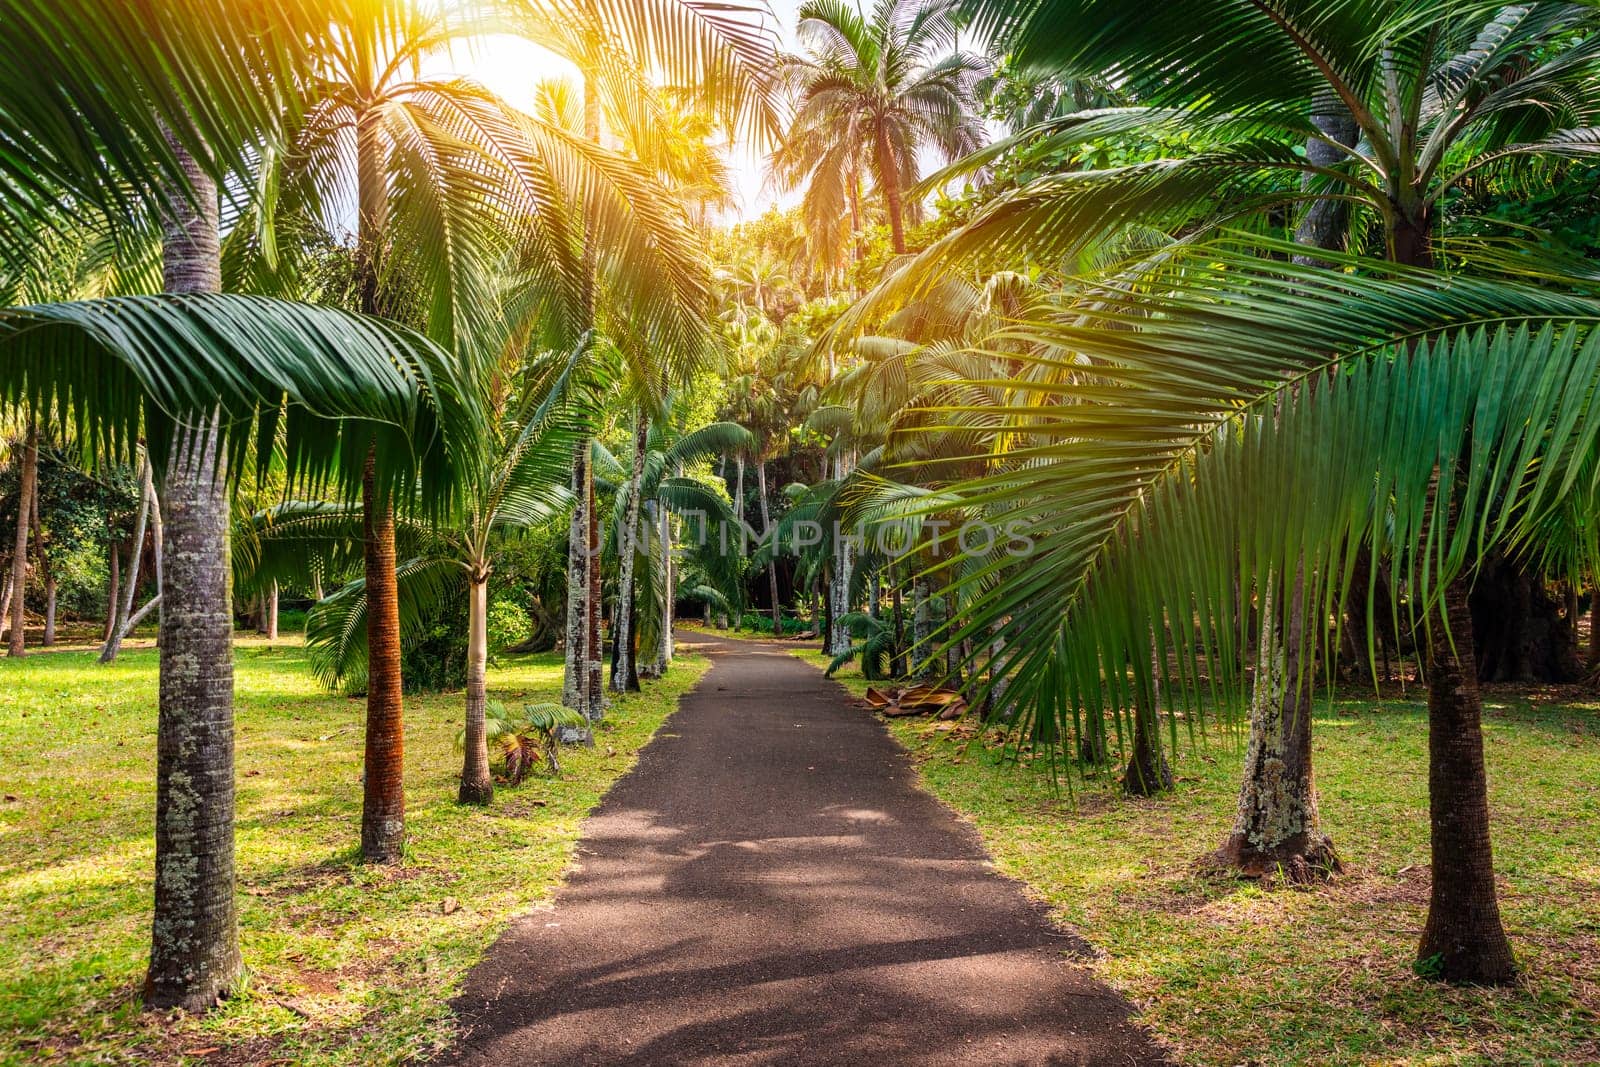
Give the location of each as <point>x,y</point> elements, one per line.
<point>768,886</point>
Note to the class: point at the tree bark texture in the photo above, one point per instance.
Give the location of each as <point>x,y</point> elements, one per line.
<point>577,634</point>
<point>194,953</point>
<point>26,491</point>
<point>625,677</point>
<point>1276,828</point>
<point>194,940</point>
<point>383,794</point>
<point>477,787</point>
<point>1464,940</point>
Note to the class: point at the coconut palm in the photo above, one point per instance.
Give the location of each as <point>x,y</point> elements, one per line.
<point>873,91</point>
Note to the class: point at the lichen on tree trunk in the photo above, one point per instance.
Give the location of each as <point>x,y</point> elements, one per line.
<point>625,676</point>
<point>194,936</point>
<point>1276,827</point>
<point>194,943</point>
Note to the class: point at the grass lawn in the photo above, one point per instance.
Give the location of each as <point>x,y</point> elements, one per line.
<point>1227,973</point>
<point>348,964</point>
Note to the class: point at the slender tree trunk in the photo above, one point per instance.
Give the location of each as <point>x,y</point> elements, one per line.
<point>383,796</point>
<point>1463,939</point>
<point>669,595</point>
<point>1594,627</point>
<point>194,943</point>
<point>625,677</point>
<point>272,612</point>
<point>738,518</point>
<point>839,587</point>
<point>577,634</point>
<point>897,666</point>
<point>477,787</point>
<point>1148,773</point>
<point>19,567</point>
<point>49,638</point>
<point>889,179</point>
<point>119,631</point>
<point>1276,825</point>
<point>922,631</point>
<point>766,537</point>
<point>594,684</point>
<point>113,589</point>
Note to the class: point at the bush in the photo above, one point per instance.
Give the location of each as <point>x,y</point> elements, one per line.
<point>508,624</point>
<point>762,623</point>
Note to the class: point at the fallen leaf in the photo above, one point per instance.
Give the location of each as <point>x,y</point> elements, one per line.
<point>449,905</point>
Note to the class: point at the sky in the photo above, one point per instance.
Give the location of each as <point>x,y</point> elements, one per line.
<point>511,67</point>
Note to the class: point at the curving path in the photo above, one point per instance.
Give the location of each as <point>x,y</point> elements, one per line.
<point>769,886</point>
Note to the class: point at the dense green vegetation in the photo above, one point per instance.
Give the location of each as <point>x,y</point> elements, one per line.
<point>1237,353</point>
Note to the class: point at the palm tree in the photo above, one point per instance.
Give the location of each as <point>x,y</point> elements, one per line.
<point>1396,106</point>
<point>872,92</point>
<point>517,484</point>
<point>1152,479</point>
<point>452,189</point>
<point>653,485</point>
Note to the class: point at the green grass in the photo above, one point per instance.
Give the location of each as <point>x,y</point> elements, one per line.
<point>348,963</point>
<point>1229,973</point>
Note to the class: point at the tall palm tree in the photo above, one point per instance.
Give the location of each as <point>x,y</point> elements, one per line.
<point>871,93</point>
<point>1397,104</point>
<point>652,485</point>
<point>137,112</point>
<point>454,191</point>
<point>517,484</point>
<point>1152,480</point>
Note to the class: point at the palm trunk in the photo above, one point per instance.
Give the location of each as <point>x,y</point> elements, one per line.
<point>194,944</point>
<point>766,537</point>
<point>1147,773</point>
<point>897,665</point>
<point>1463,939</point>
<point>661,655</point>
<point>383,798</point>
<point>113,589</point>
<point>272,612</point>
<point>921,631</point>
<point>625,677</point>
<point>1276,826</point>
<point>839,588</point>
<point>19,565</point>
<point>594,685</point>
<point>738,519</point>
<point>477,787</point>
<point>1594,627</point>
<point>889,179</point>
<point>577,635</point>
